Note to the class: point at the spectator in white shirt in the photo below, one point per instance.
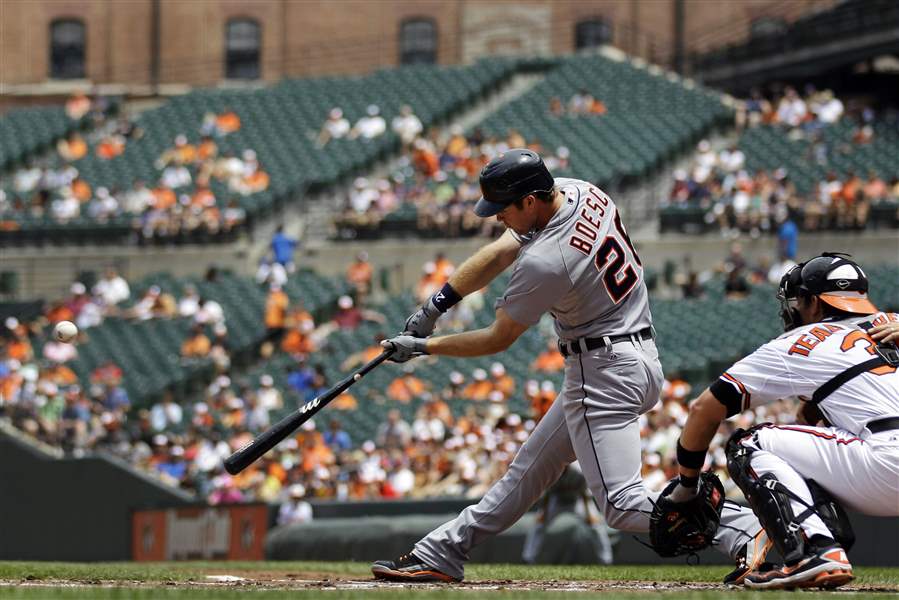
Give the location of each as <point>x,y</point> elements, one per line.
<point>189,303</point>
<point>175,176</point>
<point>112,289</point>
<point>59,352</point>
<point>371,125</point>
<point>209,313</point>
<point>334,128</point>
<point>295,509</point>
<point>831,108</point>
<point>166,414</point>
<point>406,125</point>
<point>138,198</point>
<point>66,208</point>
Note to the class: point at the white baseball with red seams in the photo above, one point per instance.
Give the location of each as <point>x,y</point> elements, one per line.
<point>65,331</point>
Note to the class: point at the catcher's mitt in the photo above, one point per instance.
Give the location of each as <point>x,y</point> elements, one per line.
<point>677,528</point>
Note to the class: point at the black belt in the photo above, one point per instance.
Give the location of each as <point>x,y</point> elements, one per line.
<point>587,344</point>
<point>884,424</point>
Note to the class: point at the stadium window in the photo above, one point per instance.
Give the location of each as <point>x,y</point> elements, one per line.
<point>418,42</point>
<point>67,42</point>
<point>591,33</point>
<point>242,43</point>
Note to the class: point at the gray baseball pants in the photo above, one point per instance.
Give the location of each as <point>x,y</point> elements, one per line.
<point>594,420</point>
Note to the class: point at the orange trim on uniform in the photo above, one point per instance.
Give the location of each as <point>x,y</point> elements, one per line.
<point>740,386</point>
<point>854,304</point>
<point>820,434</point>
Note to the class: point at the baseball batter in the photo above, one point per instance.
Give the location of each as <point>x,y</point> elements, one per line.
<point>839,358</point>
<point>573,258</point>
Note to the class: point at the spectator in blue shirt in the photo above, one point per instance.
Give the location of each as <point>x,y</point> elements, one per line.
<point>283,248</point>
<point>336,438</point>
<point>788,238</point>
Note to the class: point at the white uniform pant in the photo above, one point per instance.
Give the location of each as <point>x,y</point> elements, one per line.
<point>594,420</point>
<point>862,474</point>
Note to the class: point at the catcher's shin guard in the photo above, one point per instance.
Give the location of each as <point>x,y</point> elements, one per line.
<point>768,499</point>
<point>833,514</point>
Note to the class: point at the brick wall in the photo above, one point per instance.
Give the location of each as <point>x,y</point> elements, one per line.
<point>314,37</point>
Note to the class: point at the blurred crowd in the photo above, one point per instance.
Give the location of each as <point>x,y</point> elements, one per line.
<point>180,201</point>
<point>434,184</point>
<point>740,200</point>
<point>436,437</point>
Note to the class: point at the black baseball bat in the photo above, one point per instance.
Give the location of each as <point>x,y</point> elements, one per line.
<point>269,438</point>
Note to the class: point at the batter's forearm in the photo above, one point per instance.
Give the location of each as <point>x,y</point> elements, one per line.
<point>483,266</point>
<point>480,342</point>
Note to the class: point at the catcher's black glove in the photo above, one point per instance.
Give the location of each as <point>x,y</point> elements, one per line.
<point>677,528</point>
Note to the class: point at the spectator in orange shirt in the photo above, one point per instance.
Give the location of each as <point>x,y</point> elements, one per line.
<point>60,374</point>
<point>72,147</point>
<point>110,147</point>
<point>479,389</point>
<point>60,311</point>
<point>345,401</point>
<point>227,122</point>
<point>202,197</point>
<point>406,387</point>
<point>363,356</point>
<point>207,149</point>
<point>424,158</point>
<point>597,107</point>
<point>676,389</point>
<point>197,345</point>
<point>81,190</point>
<point>359,274</point>
<point>541,397</point>
<point>276,313</point>
<point>550,360</point>
<point>502,381</point>
<point>163,198</point>
<point>77,105</point>
<point>298,340</point>
<point>443,268</point>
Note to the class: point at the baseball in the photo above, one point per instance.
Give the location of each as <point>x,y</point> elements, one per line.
<point>357,377</point>
<point>65,331</point>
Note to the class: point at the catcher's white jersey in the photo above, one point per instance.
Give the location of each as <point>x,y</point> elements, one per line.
<point>800,361</point>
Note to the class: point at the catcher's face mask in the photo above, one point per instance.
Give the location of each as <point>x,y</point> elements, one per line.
<point>788,296</point>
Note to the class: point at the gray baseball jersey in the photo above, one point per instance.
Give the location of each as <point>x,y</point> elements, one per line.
<point>582,268</point>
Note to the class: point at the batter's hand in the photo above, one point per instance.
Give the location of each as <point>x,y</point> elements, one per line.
<point>886,333</point>
<point>421,323</point>
<point>405,347</point>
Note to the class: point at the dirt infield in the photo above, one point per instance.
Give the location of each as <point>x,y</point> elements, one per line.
<point>239,580</point>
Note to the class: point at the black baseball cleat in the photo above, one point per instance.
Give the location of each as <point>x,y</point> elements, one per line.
<point>825,569</point>
<point>409,568</point>
<point>751,558</point>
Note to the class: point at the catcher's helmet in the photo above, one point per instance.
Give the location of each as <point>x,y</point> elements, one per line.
<point>510,177</point>
<point>833,278</point>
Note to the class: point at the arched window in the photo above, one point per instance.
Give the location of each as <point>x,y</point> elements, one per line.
<point>67,43</point>
<point>243,40</point>
<point>418,42</point>
<point>590,33</point>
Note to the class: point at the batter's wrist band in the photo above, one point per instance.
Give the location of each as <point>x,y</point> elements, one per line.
<point>688,482</point>
<point>691,459</point>
<point>446,298</point>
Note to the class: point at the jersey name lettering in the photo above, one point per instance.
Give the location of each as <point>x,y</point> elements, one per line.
<point>806,342</point>
<point>589,222</point>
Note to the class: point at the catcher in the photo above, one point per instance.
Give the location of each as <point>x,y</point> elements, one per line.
<point>839,358</point>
